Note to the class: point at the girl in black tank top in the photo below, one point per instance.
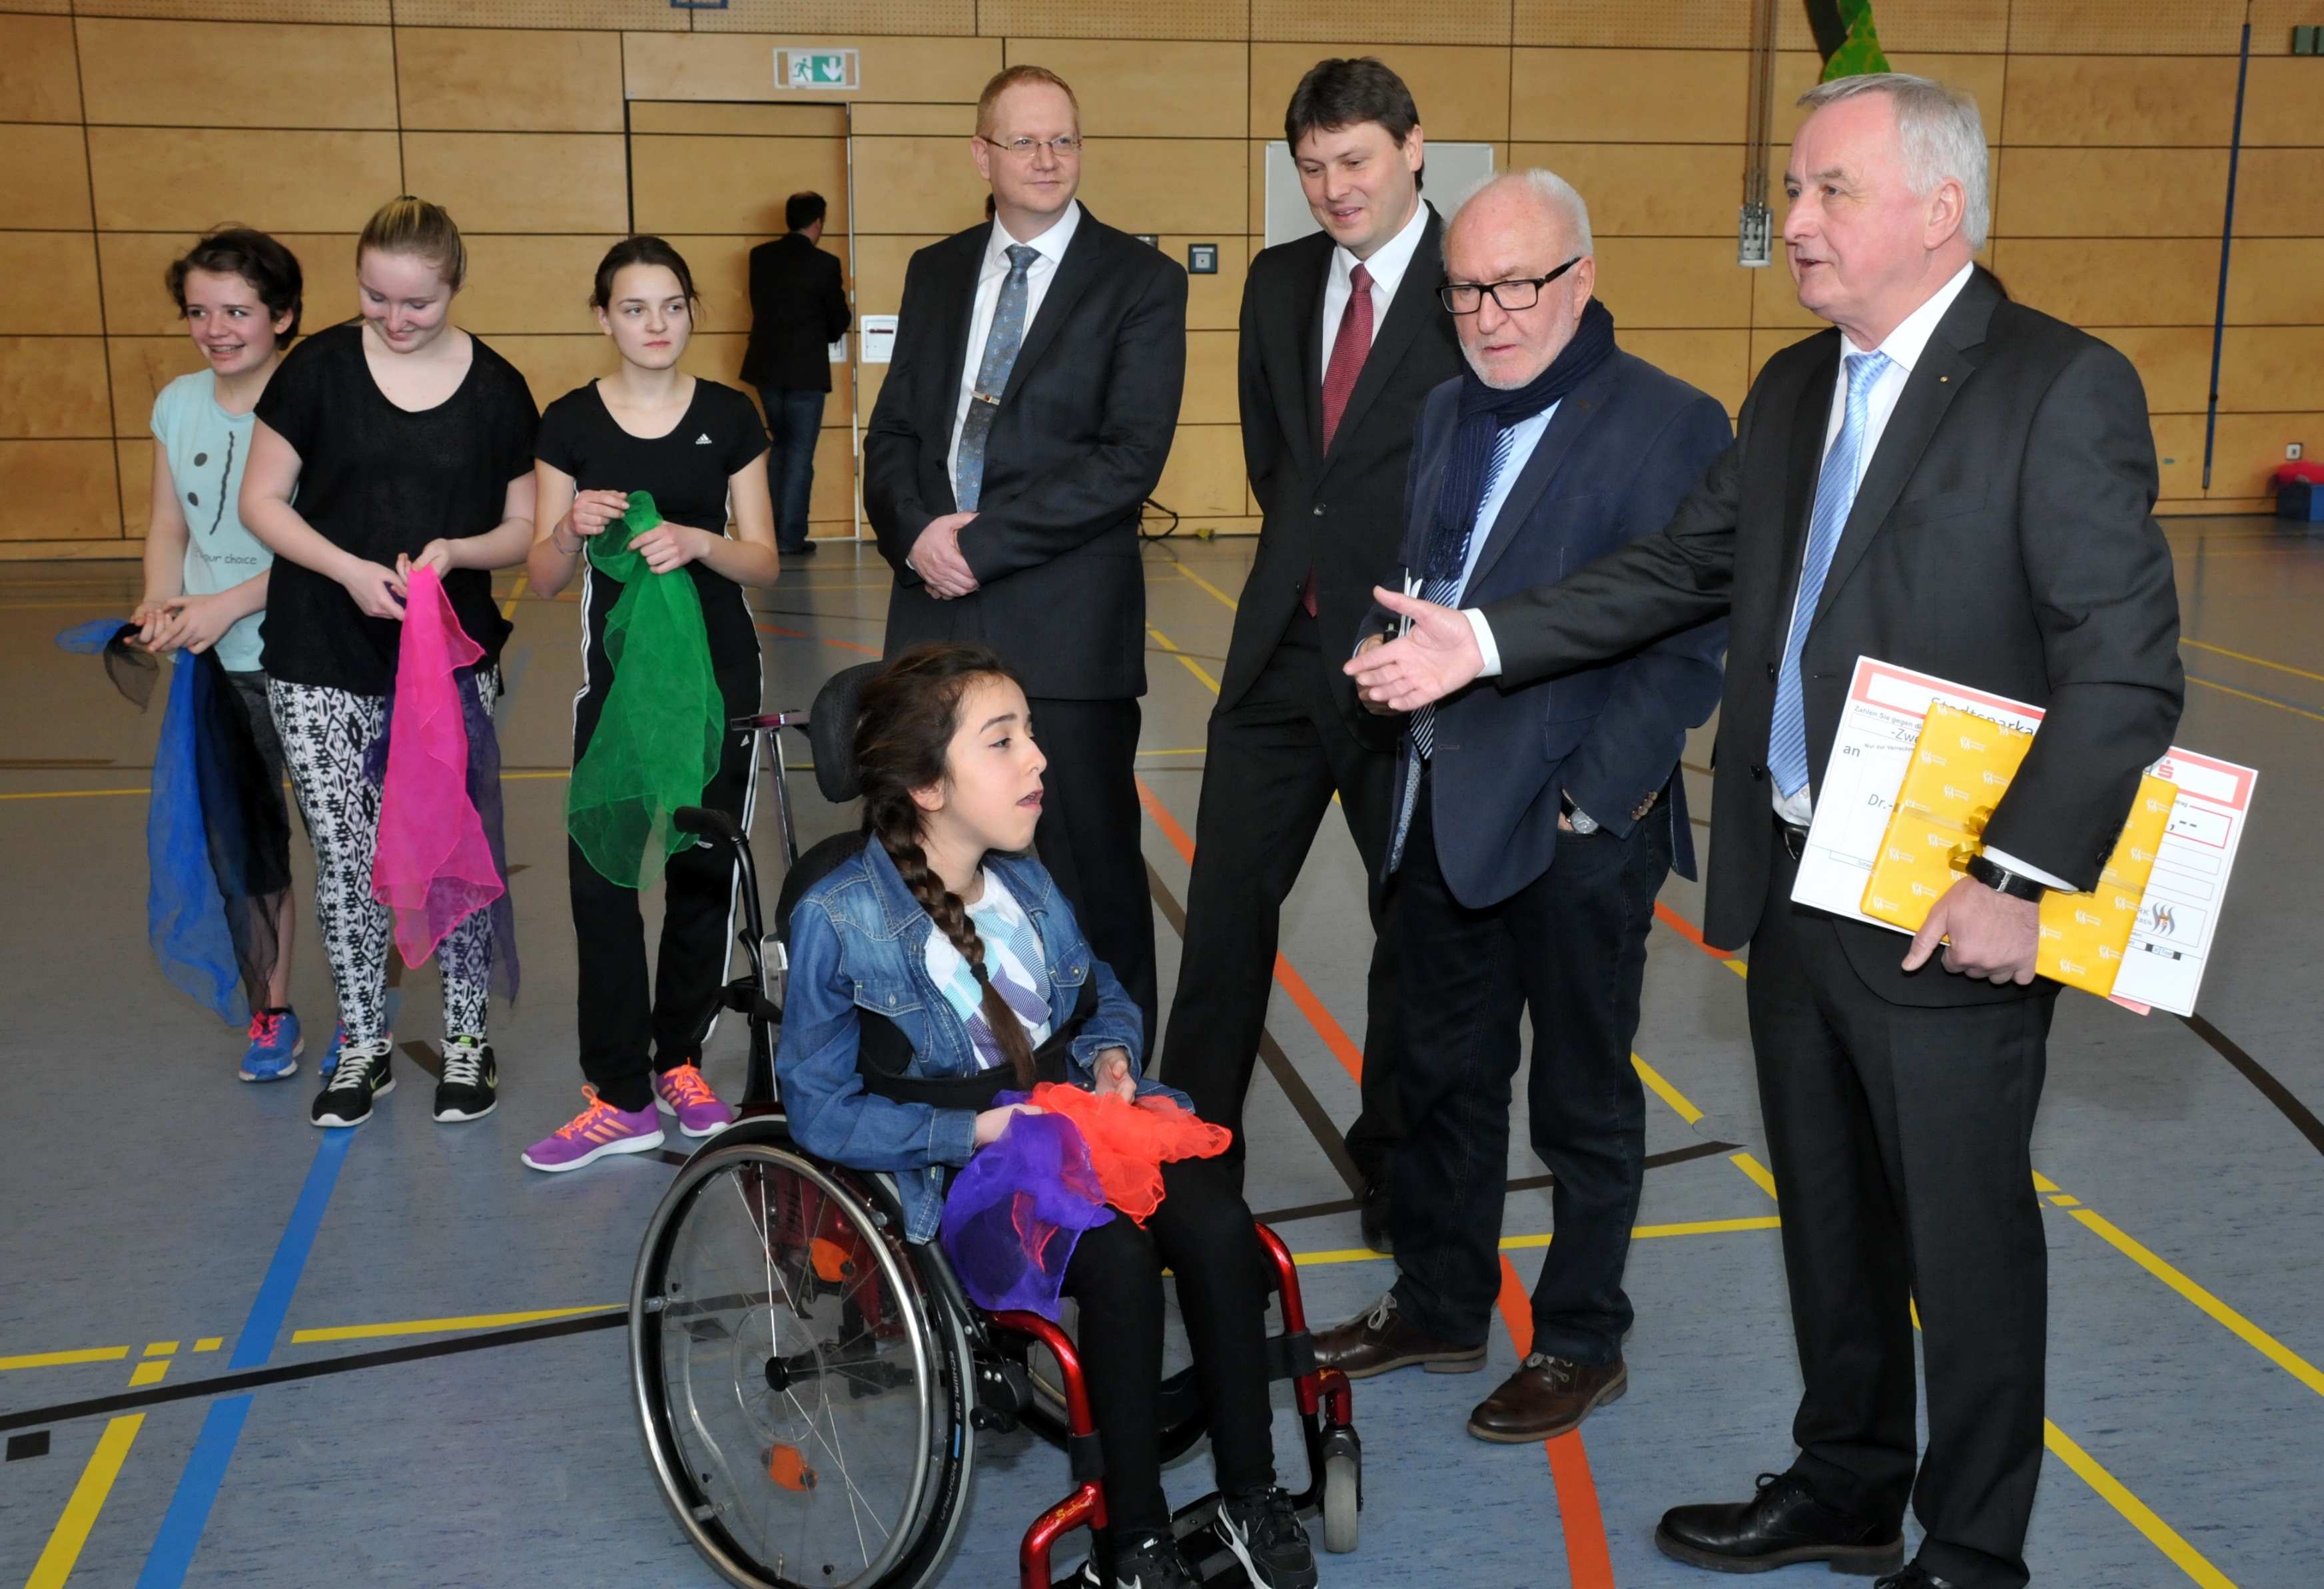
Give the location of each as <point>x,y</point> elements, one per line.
<point>700,450</point>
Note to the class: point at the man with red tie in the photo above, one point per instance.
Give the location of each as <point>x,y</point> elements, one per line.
<point>1342,339</point>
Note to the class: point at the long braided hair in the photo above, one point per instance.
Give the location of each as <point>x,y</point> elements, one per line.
<point>905,722</point>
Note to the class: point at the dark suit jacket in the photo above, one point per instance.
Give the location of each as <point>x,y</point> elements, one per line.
<point>1622,450</point>
<point>1339,513</point>
<point>2003,537</point>
<point>1084,428</point>
<point>798,309</point>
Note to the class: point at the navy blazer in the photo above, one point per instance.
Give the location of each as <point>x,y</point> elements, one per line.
<point>1621,452</point>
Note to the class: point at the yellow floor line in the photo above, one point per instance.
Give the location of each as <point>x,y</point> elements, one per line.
<point>1186,661</point>
<point>2263,701</point>
<point>1515,1244</point>
<point>1664,1090</point>
<point>149,1374</point>
<point>71,1532</point>
<point>2142,1516</point>
<point>2257,661</point>
<point>1750,1166</point>
<point>64,1359</point>
<point>72,793</point>
<point>1189,574</point>
<point>429,1327</point>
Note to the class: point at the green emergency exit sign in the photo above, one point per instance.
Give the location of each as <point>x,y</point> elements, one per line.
<point>816,69</point>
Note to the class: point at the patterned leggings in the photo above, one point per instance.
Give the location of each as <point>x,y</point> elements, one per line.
<point>324,732</point>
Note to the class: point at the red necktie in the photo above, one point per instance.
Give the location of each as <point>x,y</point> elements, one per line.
<point>1347,351</point>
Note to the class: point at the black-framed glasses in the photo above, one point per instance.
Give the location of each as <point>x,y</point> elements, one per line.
<point>1064,146</point>
<point>1466,298</point>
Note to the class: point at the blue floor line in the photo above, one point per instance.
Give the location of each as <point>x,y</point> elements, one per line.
<point>167,1563</point>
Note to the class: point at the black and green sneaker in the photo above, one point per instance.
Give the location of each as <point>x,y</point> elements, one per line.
<point>470,1088</point>
<point>361,1076</point>
<point>1264,1531</point>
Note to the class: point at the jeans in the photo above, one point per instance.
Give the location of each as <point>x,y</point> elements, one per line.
<point>794,421</point>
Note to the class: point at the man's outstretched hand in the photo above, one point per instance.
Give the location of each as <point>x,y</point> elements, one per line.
<point>1436,657</point>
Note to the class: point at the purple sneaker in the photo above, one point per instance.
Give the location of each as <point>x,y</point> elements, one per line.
<point>596,1130</point>
<point>681,1091</point>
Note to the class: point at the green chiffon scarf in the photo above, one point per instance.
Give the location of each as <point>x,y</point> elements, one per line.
<point>658,738</point>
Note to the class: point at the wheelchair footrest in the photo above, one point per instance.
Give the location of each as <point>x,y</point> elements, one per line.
<point>1290,1356</point>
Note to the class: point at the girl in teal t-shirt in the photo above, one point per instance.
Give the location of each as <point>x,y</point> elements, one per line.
<point>206,576</point>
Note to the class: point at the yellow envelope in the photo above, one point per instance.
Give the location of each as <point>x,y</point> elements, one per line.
<point>1960,767</point>
<point>2085,935</point>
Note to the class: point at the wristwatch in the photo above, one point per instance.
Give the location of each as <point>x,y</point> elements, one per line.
<point>2001,881</point>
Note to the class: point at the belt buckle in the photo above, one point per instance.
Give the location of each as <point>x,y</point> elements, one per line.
<point>1795,839</point>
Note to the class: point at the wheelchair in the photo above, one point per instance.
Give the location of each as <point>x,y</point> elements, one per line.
<point>810,1385</point>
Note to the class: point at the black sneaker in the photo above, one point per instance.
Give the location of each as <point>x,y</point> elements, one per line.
<point>362,1075</point>
<point>1153,1562</point>
<point>1264,1531</point>
<point>470,1088</point>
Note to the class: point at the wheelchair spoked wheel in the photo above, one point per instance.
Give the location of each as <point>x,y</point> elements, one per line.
<point>804,1398</point>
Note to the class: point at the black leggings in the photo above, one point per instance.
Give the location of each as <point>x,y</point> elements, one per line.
<point>1204,1233</point>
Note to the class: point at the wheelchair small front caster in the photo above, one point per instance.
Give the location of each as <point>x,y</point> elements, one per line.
<point>1343,1486</point>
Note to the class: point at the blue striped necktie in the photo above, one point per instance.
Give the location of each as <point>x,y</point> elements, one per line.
<point>1445,590</point>
<point>1787,736</point>
<point>1001,345</point>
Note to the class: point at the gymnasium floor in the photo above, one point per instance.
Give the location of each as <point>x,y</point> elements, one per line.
<point>168,1225</point>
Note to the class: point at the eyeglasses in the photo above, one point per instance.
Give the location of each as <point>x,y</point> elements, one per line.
<point>1466,298</point>
<point>1064,148</point>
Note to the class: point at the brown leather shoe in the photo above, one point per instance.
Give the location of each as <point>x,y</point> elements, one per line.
<point>1377,1341</point>
<point>1547,1397</point>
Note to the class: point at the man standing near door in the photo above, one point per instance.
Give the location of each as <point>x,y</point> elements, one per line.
<point>1027,415</point>
<point>798,309</point>
<point>1341,340</point>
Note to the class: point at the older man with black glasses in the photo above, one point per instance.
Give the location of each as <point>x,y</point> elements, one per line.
<point>1534,826</point>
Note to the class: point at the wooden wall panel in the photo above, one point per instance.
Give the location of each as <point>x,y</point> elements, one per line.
<point>44,178</point>
<point>1210,395</point>
<point>521,181</point>
<point>934,121</point>
<point>2094,281</point>
<point>916,185</point>
<point>879,265</point>
<point>1165,185</point>
<point>700,184</point>
<point>541,13</point>
<point>1214,303</point>
<point>554,365</point>
<point>1647,189</point>
<point>1452,22</point>
<point>1148,89</point>
<point>1462,91</point>
<point>1631,95</point>
<point>48,285</point>
<point>53,387</point>
<point>1717,362</point>
<point>2250,448</point>
<point>2273,370</point>
<point>74,483</point>
<point>2119,99</point>
<point>40,80</point>
<point>2275,195</point>
<point>172,74</point>
<point>2108,27</point>
<point>530,80</point>
<point>2173,363</point>
<point>2277,281</point>
<point>1116,19</point>
<point>134,460</point>
<point>1775,297</point>
<point>870,21</point>
<point>2112,192</point>
<point>138,367</point>
<point>1205,475</point>
<point>1672,282</point>
<point>532,284</point>
<point>748,121</point>
<point>327,181</point>
<point>722,276</point>
<point>2281,104</point>
<point>1652,25</point>
<point>137,304</point>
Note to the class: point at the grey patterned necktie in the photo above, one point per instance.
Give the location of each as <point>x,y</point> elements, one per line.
<point>1001,345</point>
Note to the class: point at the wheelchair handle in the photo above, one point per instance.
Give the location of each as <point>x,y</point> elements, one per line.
<point>705,822</point>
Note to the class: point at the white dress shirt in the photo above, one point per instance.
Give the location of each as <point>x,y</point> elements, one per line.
<point>1388,264</point>
<point>1051,247</point>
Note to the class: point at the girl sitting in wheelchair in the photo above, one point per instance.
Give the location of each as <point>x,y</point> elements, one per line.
<point>944,928</point>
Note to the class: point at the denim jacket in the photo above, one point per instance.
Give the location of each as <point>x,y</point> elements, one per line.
<point>859,940</point>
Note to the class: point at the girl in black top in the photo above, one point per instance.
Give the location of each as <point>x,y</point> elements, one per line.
<point>699,448</point>
<point>404,440</point>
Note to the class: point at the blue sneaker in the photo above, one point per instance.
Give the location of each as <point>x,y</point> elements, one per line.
<point>330,1059</point>
<point>274,1046</point>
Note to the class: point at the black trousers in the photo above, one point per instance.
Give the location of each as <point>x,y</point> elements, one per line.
<point>1089,836</point>
<point>618,1015</point>
<point>1901,1140</point>
<point>1203,1234</point>
<point>1274,760</point>
<point>1569,948</point>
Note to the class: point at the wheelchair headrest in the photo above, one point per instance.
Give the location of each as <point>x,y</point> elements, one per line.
<point>831,731</point>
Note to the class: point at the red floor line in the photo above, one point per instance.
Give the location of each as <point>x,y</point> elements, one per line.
<point>1334,1035</point>
<point>1588,1562</point>
<point>1688,931</point>
<point>792,634</point>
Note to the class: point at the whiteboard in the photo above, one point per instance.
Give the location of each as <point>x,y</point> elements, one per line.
<point>1456,170</point>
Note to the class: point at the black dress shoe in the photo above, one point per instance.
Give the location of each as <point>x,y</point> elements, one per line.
<point>1374,1215</point>
<point>1781,1525</point>
<point>1913,1576</point>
